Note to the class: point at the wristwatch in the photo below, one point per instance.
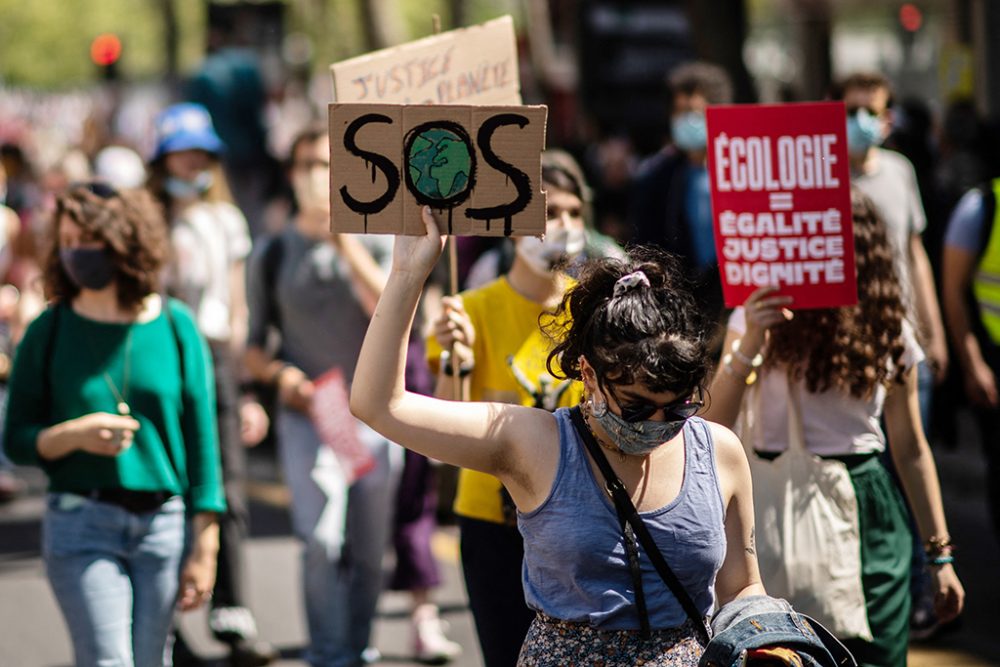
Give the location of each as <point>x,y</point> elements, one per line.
<point>464,369</point>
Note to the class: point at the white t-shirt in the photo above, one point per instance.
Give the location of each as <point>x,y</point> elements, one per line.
<point>892,186</point>
<point>208,238</point>
<point>834,423</point>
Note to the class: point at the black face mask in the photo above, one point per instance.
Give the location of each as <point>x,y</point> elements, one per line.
<point>88,268</point>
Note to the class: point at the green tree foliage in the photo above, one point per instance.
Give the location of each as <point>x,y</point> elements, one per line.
<point>46,43</point>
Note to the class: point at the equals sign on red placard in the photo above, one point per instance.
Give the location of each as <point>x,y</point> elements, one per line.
<point>780,201</point>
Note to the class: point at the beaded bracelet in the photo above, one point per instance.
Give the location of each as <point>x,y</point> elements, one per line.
<point>943,560</point>
<point>464,369</point>
<point>939,546</point>
<point>748,378</point>
<point>744,359</point>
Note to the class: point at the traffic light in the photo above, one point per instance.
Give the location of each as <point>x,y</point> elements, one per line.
<point>105,51</point>
<point>910,17</point>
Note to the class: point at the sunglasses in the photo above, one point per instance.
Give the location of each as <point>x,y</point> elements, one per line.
<point>96,188</point>
<point>676,410</point>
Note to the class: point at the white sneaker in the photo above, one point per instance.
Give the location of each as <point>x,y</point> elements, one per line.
<point>430,645</point>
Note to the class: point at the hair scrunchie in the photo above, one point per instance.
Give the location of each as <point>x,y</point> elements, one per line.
<point>630,282</point>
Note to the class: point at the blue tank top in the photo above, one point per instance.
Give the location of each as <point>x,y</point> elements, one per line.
<point>575,566</point>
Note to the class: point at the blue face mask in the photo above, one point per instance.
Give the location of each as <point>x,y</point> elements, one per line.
<point>863,131</point>
<point>636,438</point>
<point>178,188</point>
<point>689,131</point>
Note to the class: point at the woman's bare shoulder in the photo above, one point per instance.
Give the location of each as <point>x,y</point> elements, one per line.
<point>730,456</point>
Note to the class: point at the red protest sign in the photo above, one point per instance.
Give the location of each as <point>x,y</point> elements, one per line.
<point>781,201</point>
<point>337,428</point>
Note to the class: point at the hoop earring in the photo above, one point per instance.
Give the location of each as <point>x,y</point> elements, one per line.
<point>598,408</point>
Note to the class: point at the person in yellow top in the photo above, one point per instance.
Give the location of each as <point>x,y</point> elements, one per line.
<point>501,352</point>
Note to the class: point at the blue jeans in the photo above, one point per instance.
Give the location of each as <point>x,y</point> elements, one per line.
<point>115,576</point>
<point>344,529</point>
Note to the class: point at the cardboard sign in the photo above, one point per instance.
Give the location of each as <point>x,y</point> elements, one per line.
<point>781,202</point>
<point>474,65</point>
<point>479,165</point>
<point>336,426</point>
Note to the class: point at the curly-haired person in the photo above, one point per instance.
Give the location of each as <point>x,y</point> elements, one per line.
<point>111,395</point>
<point>847,368</point>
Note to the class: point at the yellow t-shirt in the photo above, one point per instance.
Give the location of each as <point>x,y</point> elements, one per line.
<point>510,352</point>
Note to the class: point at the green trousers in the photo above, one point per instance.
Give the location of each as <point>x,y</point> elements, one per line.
<point>886,549</point>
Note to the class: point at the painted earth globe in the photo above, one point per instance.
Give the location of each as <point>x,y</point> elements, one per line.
<point>439,162</point>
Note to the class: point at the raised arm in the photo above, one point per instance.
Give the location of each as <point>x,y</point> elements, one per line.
<point>517,444</point>
<point>762,310</point>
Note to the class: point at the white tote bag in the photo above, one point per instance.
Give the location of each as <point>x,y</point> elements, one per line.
<point>808,542</point>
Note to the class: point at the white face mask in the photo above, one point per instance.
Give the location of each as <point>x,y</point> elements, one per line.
<point>179,188</point>
<point>312,190</point>
<point>543,256</point>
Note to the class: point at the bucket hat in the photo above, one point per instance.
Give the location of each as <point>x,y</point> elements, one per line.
<point>185,126</point>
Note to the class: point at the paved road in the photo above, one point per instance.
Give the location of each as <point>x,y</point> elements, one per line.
<point>32,633</point>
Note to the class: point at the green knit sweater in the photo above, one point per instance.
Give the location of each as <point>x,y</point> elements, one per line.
<point>176,448</point>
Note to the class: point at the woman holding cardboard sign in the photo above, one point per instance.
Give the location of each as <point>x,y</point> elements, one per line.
<point>816,385</point>
<point>493,330</point>
<point>631,334</point>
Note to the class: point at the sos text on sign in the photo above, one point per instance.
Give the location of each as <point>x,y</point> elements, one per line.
<point>479,165</point>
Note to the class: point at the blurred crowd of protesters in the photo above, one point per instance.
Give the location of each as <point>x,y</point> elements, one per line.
<point>243,180</point>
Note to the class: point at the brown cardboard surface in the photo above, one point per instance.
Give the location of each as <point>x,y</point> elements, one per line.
<point>520,148</point>
<point>365,180</point>
<point>491,190</point>
<point>474,65</point>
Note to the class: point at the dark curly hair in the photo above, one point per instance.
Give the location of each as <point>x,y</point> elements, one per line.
<point>653,336</point>
<point>854,348</point>
<point>130,223</point>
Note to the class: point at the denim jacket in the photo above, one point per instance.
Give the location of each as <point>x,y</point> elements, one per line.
<point>760,621</point>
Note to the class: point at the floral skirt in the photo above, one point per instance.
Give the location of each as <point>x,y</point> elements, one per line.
<point>551,642</point>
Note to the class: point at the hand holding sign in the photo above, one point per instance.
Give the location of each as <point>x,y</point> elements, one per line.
<point>415,256</point>
<point>763,309</point>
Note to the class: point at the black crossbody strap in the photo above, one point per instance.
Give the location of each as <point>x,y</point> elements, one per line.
<point>627,513</point>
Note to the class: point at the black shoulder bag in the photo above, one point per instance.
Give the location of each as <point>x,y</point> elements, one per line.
<point>633,526</point>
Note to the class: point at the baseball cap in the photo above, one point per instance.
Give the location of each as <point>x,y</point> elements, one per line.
<point>183,127</point>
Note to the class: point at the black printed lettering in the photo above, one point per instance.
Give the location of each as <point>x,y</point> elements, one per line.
<point>379,162</point>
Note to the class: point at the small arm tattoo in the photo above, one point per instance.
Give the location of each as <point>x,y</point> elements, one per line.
<point>752,549</point>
